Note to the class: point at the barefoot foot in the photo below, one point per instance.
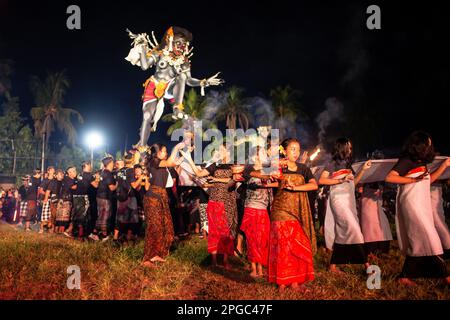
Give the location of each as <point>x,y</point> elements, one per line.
<point>335,270</point>
<point>407,282</point>
<point>157,259</point>
<point>148,264</point>
<point>298,288</point>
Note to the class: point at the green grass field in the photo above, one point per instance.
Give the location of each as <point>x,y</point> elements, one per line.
<point>34,266</point>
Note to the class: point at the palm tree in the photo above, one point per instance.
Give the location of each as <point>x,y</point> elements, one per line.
<point>286,108</point>
<point>194,106</point>
<point>234,109</point>
<point>49,113</point>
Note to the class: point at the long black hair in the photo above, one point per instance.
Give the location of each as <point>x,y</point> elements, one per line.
<point>417,147</point>
<point>154,149</point>
<point>340,151</point>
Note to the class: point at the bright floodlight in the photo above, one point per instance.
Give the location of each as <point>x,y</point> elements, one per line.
<point>94,139</point>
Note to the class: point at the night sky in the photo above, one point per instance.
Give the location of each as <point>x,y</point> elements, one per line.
<point>397,77</point>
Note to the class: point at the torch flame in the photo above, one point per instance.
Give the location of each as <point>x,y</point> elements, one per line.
<point>315,154</point>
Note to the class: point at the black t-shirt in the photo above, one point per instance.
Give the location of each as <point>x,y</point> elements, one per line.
<point>66,191</point>
<point>106,179</point>
<point>54,186</point>
<point>124,178</point>
<point>83,183</point>
<point>130,179</point>
<point>405,165</point>
<point>23,192</point>
<point>159,174</point>
<point>32,189</point>
<point>302,170</point>
<point>44,184</point>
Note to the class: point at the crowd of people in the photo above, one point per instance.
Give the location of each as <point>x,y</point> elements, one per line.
<point>80,204</point>
<point>266,206</point>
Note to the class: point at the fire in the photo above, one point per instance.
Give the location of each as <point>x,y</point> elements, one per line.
<point>315,154</point>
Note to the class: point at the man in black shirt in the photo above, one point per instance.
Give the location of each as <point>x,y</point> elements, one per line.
<point>119,166</point>
<point>63,213</point>
<point>31,197</point>
<point>81,203</point>
<point>139,191</point>
<point>127,215</point>
<point>106,187</point>
<point>23,200</point>
<point>46,212</point>
<point>52,195</point>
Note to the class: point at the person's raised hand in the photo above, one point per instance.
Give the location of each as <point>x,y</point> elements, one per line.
<point>367,165</point>
<point>180,145</point>
<point>304,157</point>
<point>349,177</point>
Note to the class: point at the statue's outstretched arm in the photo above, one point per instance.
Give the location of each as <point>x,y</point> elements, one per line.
<point>191,81</point>
<point>211,81</point>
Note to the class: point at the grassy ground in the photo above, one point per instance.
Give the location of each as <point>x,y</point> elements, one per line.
<point>34,266</point>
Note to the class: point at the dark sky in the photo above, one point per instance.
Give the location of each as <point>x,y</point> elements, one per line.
<point>396,78</point>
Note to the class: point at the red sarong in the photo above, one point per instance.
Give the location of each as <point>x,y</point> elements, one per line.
<point>219,236</point>
<point>290,256</point>
<point>154,90</point>
<point>256,226</point>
